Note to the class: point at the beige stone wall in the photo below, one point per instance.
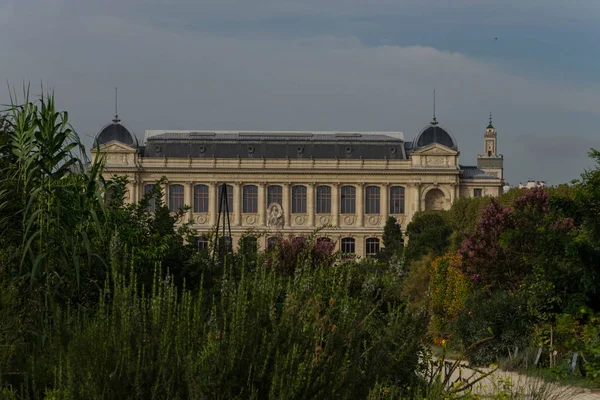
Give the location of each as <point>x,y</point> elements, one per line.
<point>431,179</point>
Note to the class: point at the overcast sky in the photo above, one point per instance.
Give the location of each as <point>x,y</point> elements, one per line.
<point>324,65</point>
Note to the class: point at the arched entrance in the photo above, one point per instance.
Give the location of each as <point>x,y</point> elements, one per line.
<point>435,200</point>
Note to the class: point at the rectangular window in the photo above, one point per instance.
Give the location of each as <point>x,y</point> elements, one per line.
<point>477,192</point>
<point>348,200</point>
<point>175,198</point>
<point>151,200</point>
<point>372,246</point>
<point>274,195</point>
<point>201,243</point>
<point>299,199</point>
<point>396,200</point>
<point>200,199</point>
<point>347,246</point>
<point>221,205</point>
<point>250,196</point>
<point>372,194</point>
<point>323,200</point>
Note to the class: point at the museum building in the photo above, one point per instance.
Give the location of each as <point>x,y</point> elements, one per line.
<point>292,182</point>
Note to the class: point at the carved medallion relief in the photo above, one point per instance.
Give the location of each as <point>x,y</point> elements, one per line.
<point>275,217</point>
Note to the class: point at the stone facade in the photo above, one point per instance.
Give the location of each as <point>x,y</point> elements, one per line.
<point>350,197</point>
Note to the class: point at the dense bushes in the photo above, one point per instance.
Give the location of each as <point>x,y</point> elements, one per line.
<point>526,273</point>
<point>492,327</point>
<point>267,335</point>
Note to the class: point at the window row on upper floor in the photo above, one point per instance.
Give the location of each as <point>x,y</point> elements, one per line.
<point>298,198</point>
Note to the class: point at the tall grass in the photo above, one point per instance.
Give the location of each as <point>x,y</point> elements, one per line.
<point>313,335</point>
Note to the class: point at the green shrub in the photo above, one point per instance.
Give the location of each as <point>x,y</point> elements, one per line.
<point>311,335</point>
<point>492,326</point>
<point>428,233</point>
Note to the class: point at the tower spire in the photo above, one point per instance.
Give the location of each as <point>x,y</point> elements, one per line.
<point>116,118</point>
<point>434,120</point>
<point>490,126</point>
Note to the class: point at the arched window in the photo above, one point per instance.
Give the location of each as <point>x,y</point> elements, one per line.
<point>372,246</point>
<point>151,200</point>
<point>201,243</point>
<point>247,245</point>
<point>298,199</point>
<point>372,200</point>
<point>324,245</point>
<point>323,199</point>
<point>225,244</point>
<point>250,195</point>
<point>298,240</point>
<point>175,197</point>
<point>274,195</point>
<point>272,242</point>
<point>348,246</point>
<point>435,200</point>
<point>200,199</point>
<point>348,200</point>
<point>323,239</point>
<point>396,200</point>
<point>221,205</point>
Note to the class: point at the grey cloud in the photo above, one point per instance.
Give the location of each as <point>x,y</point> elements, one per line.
<point>492,12</point>
<point>186,80</point>
<point>568,147</point>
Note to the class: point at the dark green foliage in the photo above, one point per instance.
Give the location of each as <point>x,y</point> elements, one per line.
<point>493,326</point>
<point>463,216</point>
<point>428,233</point>
<point>393,241</point>
<point>152,238</point>
<point>266,335</point>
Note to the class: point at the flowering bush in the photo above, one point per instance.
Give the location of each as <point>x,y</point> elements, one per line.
<point>511,242</point>
<point>288,252</point>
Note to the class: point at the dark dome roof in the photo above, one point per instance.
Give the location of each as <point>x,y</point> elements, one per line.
<point>115,131</point>
<point>433,133</point>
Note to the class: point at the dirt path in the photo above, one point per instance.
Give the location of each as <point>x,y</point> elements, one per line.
<point>529,387</point>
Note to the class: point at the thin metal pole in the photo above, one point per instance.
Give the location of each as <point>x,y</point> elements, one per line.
<point>216,245</point>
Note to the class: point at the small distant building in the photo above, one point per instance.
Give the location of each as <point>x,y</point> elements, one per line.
<point>532,184</point>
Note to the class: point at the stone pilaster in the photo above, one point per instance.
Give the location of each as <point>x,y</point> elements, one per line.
<point>130,195</point>
<point>415,203</point>
<point>359,246</point>
<point>285,199</point>
<point>311,204</point>
<point>262,204</point>
<point>385,202</point>
<point>237,203</point>
<point>452,193</point>
<point>213,195</point>
<point>335,205</point>
<point>188,196</point>
<point>360,204</point>
<point>166,193</point>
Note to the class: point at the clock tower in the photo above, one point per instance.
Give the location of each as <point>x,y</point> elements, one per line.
<point>490,161</point>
